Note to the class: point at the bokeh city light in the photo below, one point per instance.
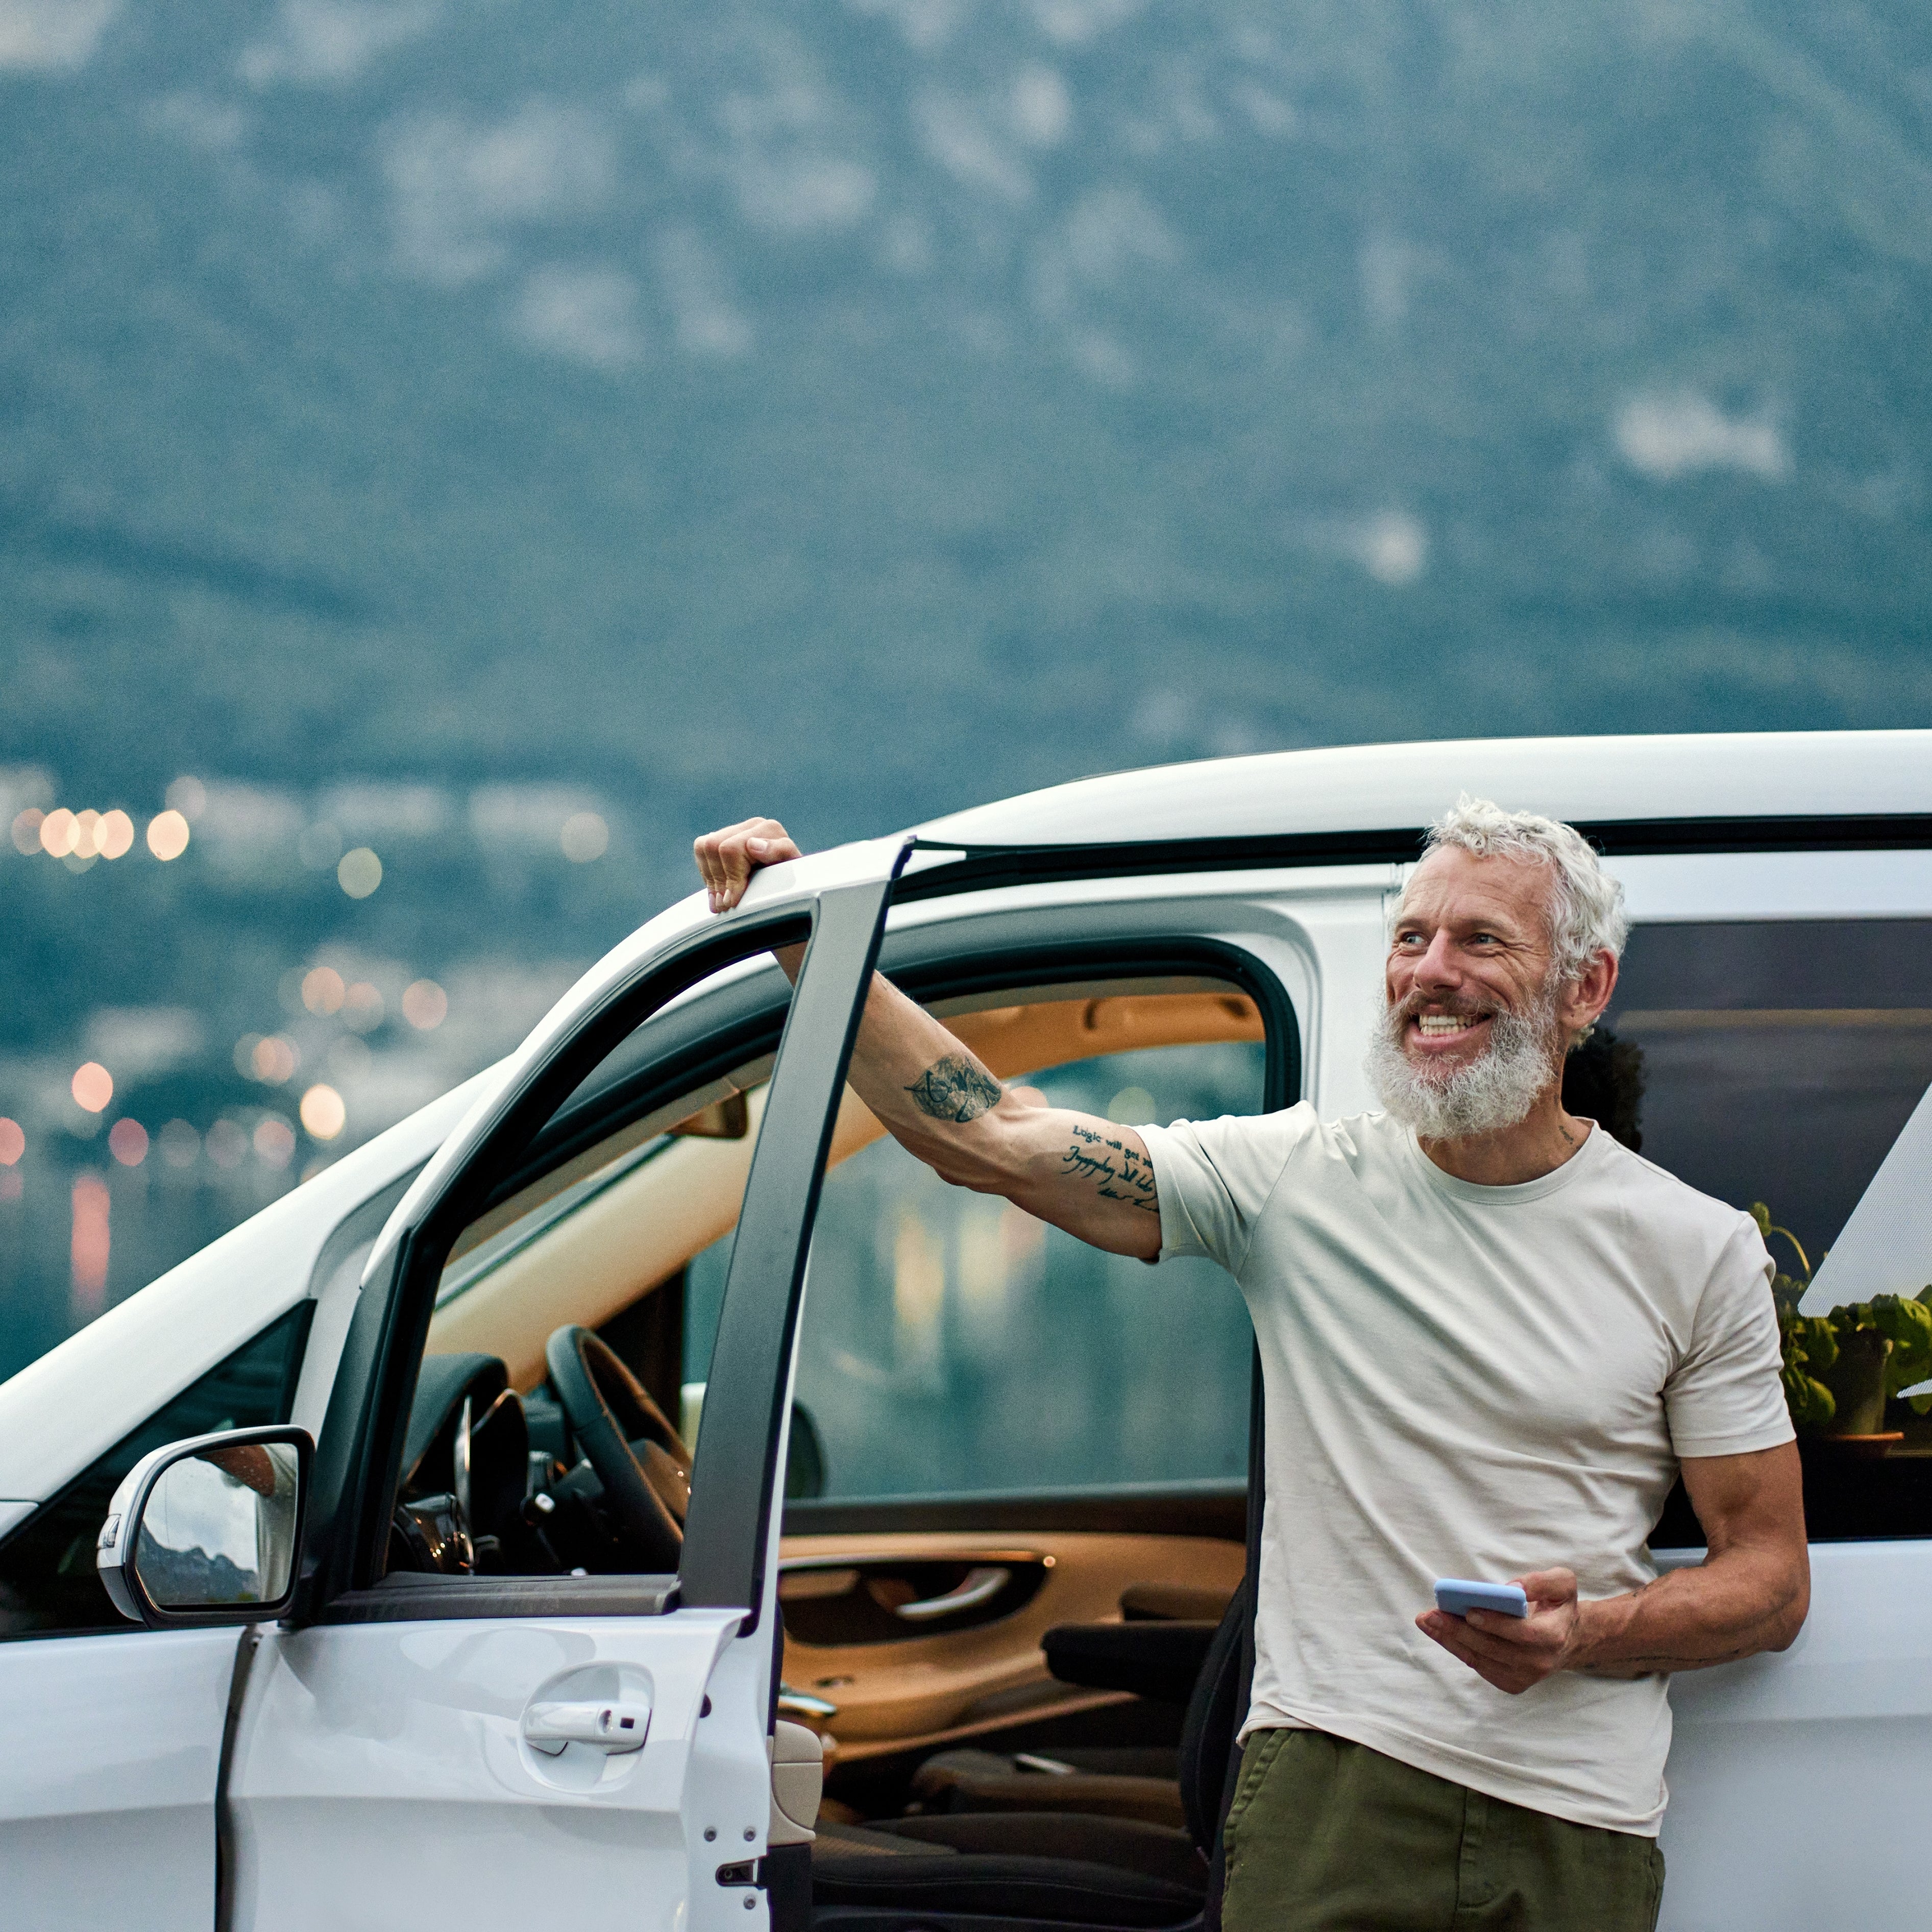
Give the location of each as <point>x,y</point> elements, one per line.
<point>114,837</point>
<point>274,1140</point>
<point>362,1006</point>
<point>167,835</point>
<point>323,1115</point>
<point>322,990</point>
<point>425,1005</point>
<point>359,873</point>
<point>92,1086</point>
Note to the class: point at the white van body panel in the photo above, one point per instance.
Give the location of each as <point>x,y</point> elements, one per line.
<point>1800,1783</point>
<point>107,1784</point>
<point>1367,787</point>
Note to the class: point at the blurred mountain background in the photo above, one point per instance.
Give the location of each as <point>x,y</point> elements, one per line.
<point>491,441</point>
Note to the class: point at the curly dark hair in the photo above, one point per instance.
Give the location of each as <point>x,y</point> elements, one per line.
<point>1603,1081</point>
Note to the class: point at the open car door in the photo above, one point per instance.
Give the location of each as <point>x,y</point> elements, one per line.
<point>498,1752</point>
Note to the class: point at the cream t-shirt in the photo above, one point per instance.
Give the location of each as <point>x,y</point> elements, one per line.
<point>1464,1380</point>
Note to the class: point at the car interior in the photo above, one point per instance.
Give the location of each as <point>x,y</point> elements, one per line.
<point>1012,1561</point>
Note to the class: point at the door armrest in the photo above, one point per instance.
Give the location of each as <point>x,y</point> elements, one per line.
<point>1159,1660</point>
<point>798,1783</point>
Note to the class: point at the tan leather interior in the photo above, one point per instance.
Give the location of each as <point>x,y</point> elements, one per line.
<point>627,1237</point>
<point>936,1689</point>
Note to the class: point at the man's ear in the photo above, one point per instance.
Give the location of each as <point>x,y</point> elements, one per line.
<point>1586,996</point>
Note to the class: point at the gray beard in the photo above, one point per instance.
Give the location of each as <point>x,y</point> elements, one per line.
<point>1491,1093</point>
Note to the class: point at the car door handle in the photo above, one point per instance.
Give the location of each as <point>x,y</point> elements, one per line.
<point>976,1587</point>
<point>612,1727</point>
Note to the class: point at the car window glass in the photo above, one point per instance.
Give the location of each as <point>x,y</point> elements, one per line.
<point>1774,1063</point>
<point>48,1586</point>
<point>953,1343</point>
<point>643,1166</point>
<point>594,1239</point>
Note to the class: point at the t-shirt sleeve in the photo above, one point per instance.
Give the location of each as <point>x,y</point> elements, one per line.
<point>1726,1398</point>
<point>1214,1178</point>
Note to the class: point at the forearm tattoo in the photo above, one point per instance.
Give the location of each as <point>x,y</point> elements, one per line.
<point>955,1089</point>
<point>1117,1171</point>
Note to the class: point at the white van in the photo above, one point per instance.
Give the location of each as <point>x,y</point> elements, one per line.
<point>445,1624</point>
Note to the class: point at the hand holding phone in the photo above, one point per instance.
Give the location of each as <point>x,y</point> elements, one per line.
<point>1458,1596</point>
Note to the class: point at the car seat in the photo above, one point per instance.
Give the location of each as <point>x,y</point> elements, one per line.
<point>1138,1781</point>
<point>955,1871</point>
<point>1156,1650</point>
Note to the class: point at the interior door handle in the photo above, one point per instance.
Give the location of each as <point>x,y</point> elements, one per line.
<point>612,1727</point>
<point>976,1587</point>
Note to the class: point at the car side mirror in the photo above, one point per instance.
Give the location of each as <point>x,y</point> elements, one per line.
<point>208,1531</point>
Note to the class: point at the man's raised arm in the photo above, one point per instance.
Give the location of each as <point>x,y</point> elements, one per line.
<point>934,1097</point>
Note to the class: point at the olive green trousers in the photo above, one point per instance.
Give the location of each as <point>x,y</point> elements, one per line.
<point>1324,1835</point>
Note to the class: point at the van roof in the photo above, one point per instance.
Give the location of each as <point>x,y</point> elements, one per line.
<point>1358,788</point>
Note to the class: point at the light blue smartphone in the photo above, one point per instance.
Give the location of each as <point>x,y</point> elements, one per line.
<point>1459,1596</point>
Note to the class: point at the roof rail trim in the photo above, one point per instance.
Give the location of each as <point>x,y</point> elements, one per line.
<point>987,868</point>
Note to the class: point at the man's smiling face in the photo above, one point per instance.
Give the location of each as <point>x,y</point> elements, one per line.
<point>1473,940</point>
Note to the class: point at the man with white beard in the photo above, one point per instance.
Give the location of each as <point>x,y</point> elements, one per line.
<point>1491,1337</point>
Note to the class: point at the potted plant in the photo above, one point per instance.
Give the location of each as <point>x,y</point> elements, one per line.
<point>1840,1369</point>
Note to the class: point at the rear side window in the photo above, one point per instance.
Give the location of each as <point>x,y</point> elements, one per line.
<point>49,1586</point>
<point>1776,1062</point>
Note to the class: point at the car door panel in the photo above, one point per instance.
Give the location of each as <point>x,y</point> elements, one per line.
<point>107,1784</point>
<point>400,1744</point>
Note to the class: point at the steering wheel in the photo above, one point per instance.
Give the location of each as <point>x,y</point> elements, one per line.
<point>638,1457</point>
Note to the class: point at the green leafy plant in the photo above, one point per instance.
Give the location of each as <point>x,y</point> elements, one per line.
<point>1828,1358</point>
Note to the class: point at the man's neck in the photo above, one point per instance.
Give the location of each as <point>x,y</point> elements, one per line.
<point>1539,1144</point>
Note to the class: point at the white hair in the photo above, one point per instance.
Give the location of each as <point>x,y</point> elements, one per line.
<point>1586,905</point>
